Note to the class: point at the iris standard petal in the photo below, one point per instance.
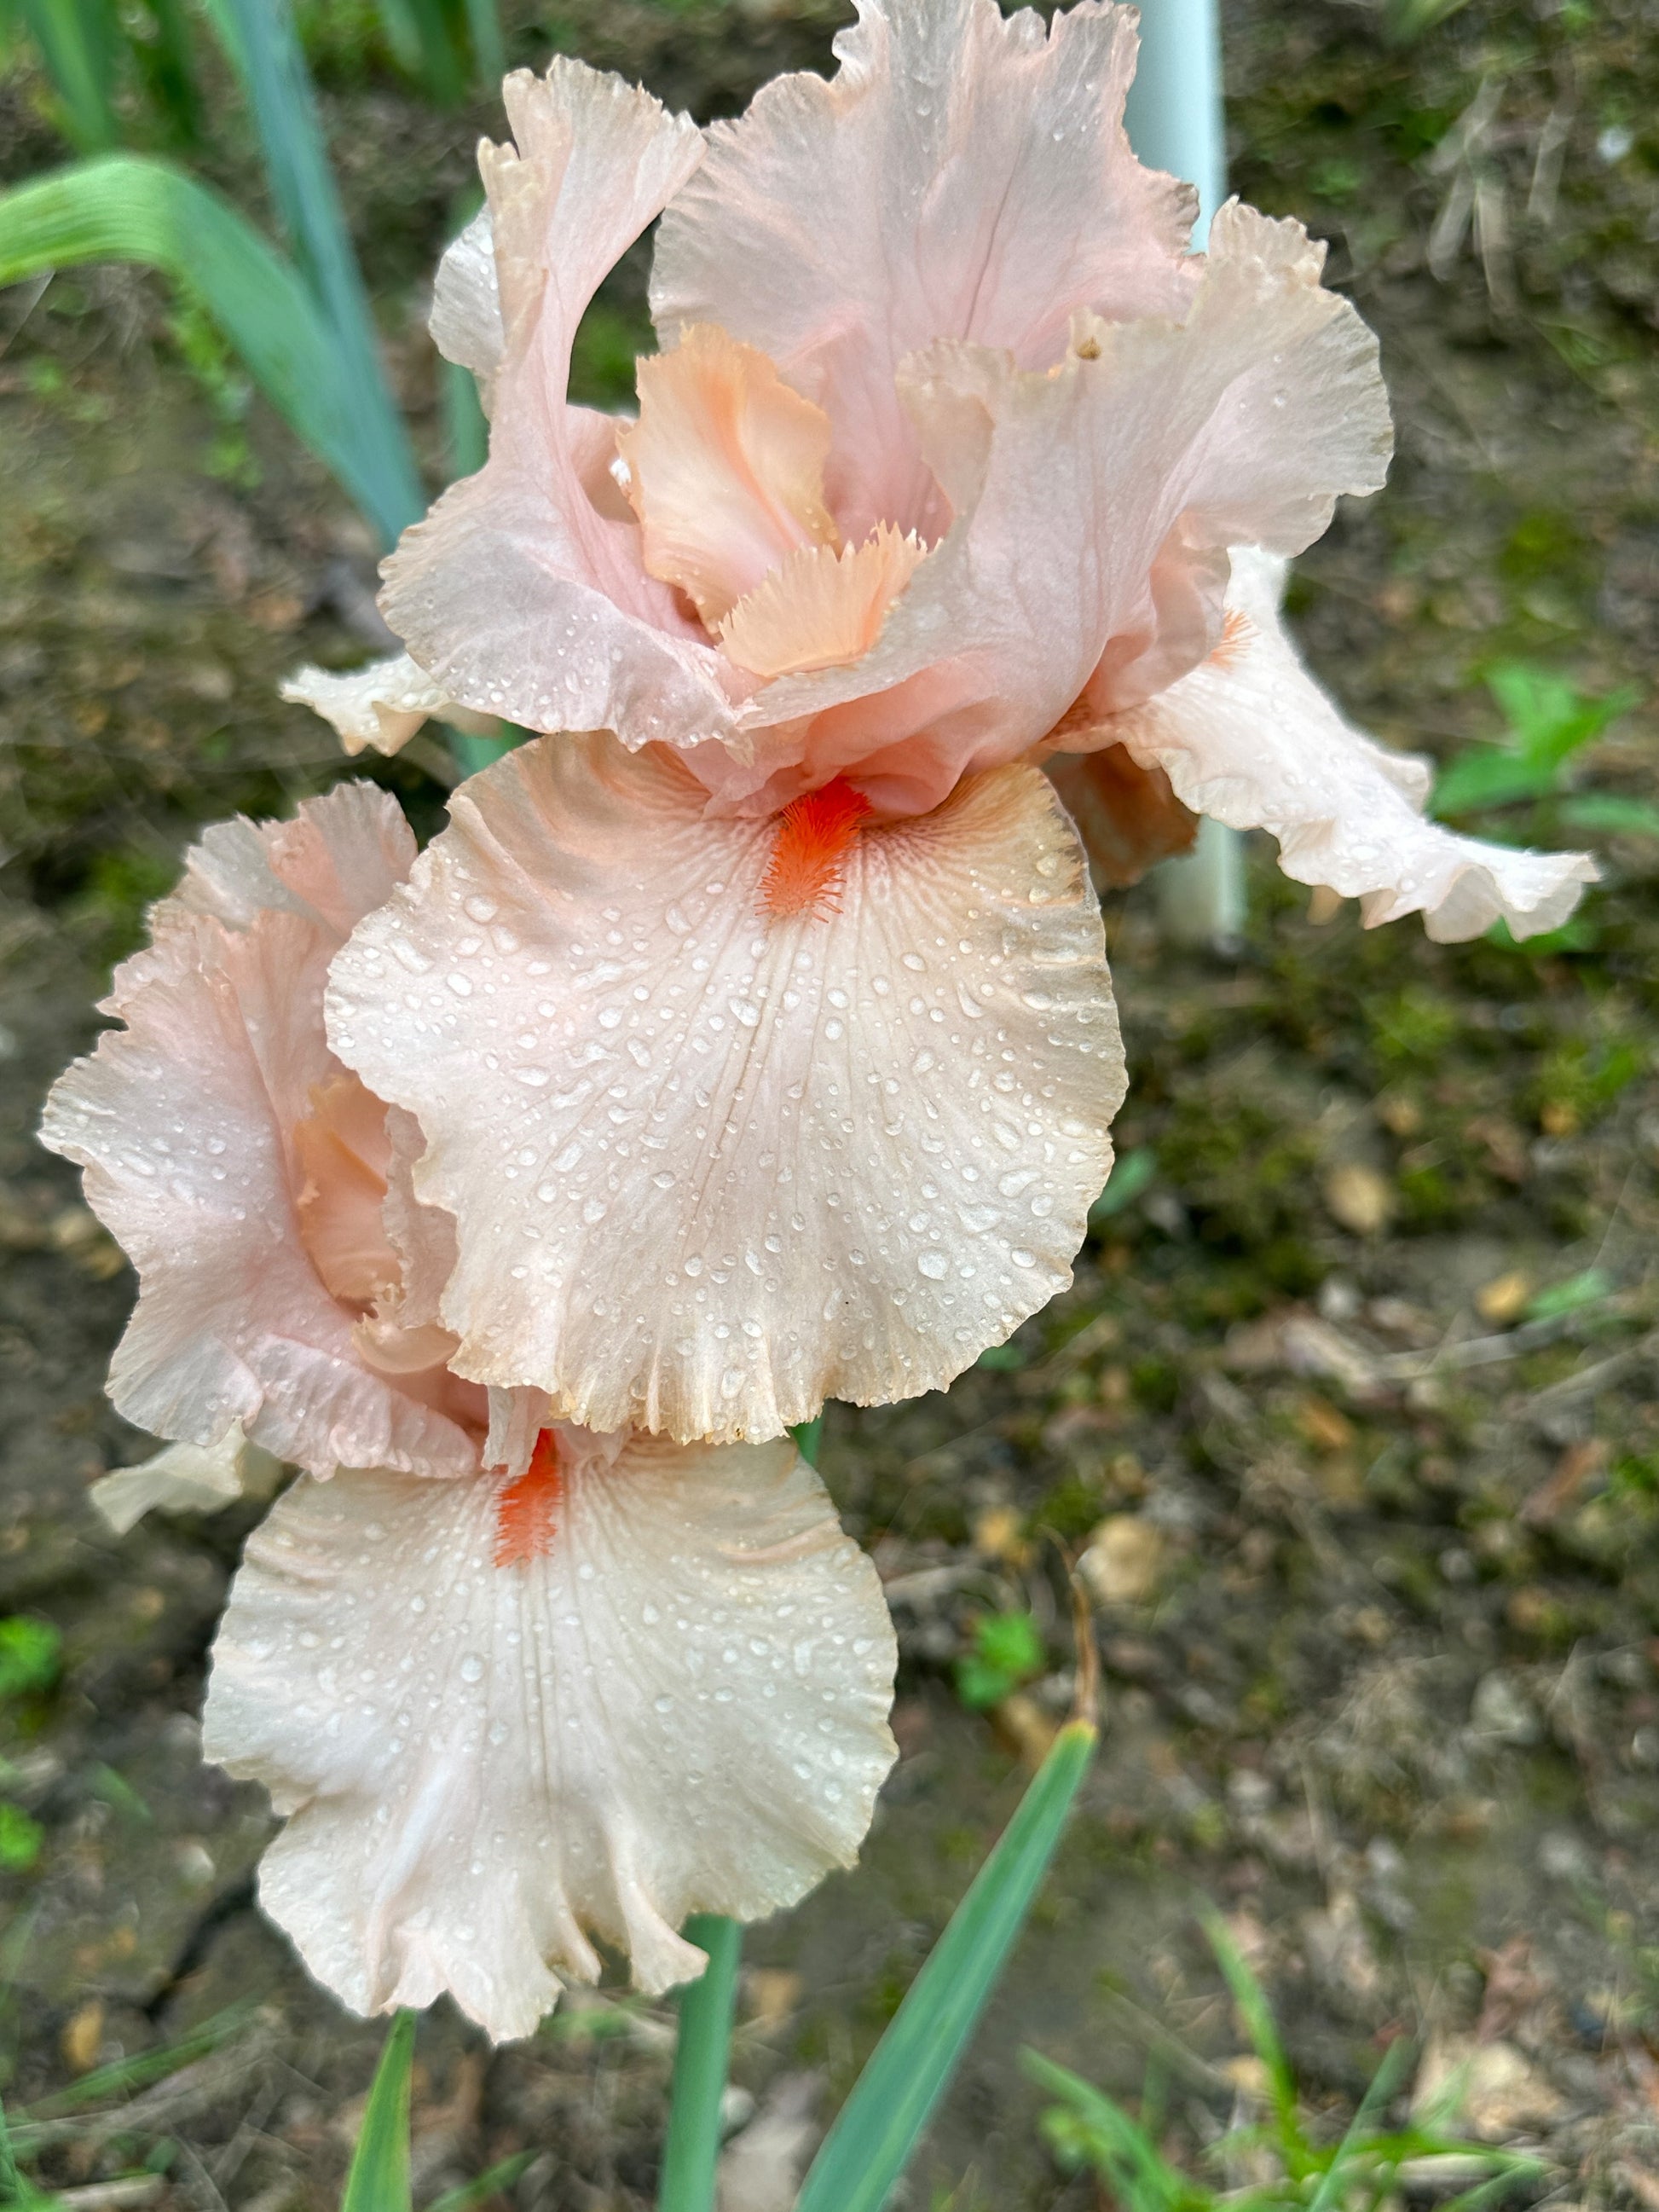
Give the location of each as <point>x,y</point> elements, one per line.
<point>964,176</point>
<point>519,594</point>
<point>1093,506</point>
<point>1250,739</point>
<point>724,468</point>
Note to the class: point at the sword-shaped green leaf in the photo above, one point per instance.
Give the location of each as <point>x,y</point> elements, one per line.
<point>877,2128</point>
<point>379,2179</point>
<point>127,207</point>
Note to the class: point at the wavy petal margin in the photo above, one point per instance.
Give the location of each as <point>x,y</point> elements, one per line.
<point>677,1704</point>
<point>1250,739</point>
<point>710,1164</point>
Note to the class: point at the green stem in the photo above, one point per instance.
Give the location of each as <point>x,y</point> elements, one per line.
<point>470,753</point>
<point>809,1437</point>
<point>700,2062</point>
<point>692,2150</point>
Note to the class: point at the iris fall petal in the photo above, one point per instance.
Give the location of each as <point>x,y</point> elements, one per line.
<point>710,1164</point>
<point>186,1120</point>
<point>675,1702</point>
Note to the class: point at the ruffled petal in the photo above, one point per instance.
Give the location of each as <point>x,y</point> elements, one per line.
<point>820,608</point>
<point>381,706</point>
<point>519,594</point>
<point>672,1699</point>
<point>184,1122</point>
<point>710,1164</point>
<point>725,469</point>
<point>338,857</point>
<point>185,1478</point>
<point>466,321</point>
<point>343,1153</point>
<point>1093,505</point>
<point>963,176</point>
<point>1250,739</point>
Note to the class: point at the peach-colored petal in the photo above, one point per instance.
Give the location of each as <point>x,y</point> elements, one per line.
<point>466,321</point>
<point>725,469</point>
<point>1070,488</point>
<point>185,1478</point>
<point>184,1122</point>
<point>379,707</point>
<point>820,609</point>
<point>344,1152</point>
<point>1127,817</point>
<point>677,1702</point>
<point>964,176</point>
<point>338,858</point>
<point>422,1236</point>
<point>519,594</point>
<point>709,1166</point>
<point>1250,739</point>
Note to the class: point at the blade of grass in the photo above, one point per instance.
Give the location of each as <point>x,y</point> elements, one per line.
<point>501,2176</point>
<point>122,2075</point>
<point>692,2149</point>
<point>1256,2015</point>
<point>402,34</point>
<point>75,41</point>
<point>1380,2089</point>
<point>420,43</point>
<point>877,2128</point>
<point>379,2177</point>
<point>1124,2150</point>
<point>302,185</point>
<point>164,63</point>
<point>1493,2191</point>
<point>127,207</point>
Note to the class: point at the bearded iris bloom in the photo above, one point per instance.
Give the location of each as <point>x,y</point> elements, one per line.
<point>747,1037</point>
<point>511,1681</point>
<point>954,462</point>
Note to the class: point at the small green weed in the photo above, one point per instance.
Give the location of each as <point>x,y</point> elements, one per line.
<point>1581,1079</point>
<point>1088,2131</point>
<point>227,392</point>
<point>31,1653</point>
<point>1131,1173</point>
<point>1007,1651</point>
<point>1548,725</point>
<point>20,1838</point>
<point>1588,1288</point>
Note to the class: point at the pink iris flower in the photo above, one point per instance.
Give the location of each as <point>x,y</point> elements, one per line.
<point>747,1038</point>
<point>757,1016</point>
<point>514,1684</point>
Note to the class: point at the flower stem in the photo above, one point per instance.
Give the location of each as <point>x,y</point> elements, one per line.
<point>808,1437</point>
<point>692,2149</point>
<point>699,2060</point>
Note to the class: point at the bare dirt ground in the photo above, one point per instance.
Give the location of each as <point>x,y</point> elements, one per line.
<point>1381,1639</point>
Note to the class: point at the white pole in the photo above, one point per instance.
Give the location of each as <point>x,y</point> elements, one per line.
<point>1175,122</point>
